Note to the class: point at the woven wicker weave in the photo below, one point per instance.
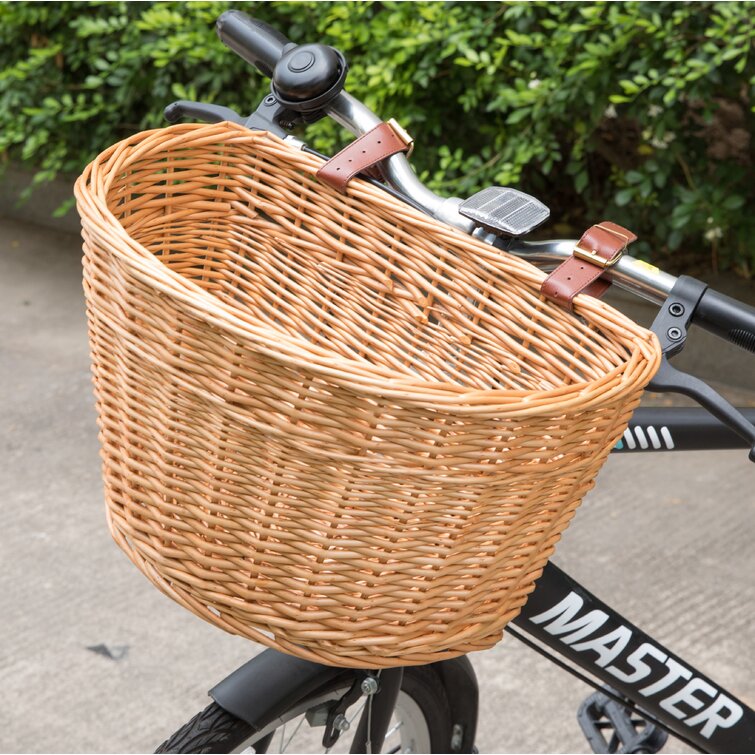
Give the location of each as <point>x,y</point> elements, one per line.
<point>329,423</point>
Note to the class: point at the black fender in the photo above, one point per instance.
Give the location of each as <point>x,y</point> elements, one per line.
<point>284,679</point>
<point>287,680</point>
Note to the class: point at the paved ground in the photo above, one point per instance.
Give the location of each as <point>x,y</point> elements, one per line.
<point>667,540</point>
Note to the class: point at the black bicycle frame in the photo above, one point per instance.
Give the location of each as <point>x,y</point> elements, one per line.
<point>561,614</point>
<point>678,429</point>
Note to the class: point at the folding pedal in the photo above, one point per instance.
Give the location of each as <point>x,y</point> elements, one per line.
<point>611,727</point>
<point>505,211</point>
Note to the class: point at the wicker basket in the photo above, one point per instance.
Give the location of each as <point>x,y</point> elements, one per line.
<point>329,423</point>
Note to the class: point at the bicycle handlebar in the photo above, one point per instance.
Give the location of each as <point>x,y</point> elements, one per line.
<point>727,318</point>
<point>263,46</point>
<point>253,40</point>
<point>719,314</point>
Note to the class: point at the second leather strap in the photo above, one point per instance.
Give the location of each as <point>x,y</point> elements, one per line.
<point>600,247</point>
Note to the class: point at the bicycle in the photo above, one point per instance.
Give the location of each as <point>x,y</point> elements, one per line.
<point>649,690</point>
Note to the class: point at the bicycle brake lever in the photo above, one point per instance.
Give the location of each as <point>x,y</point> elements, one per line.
<point>669,379</point>
<point>670,325</point>
<point>266,117</point>
<point>200,111</point>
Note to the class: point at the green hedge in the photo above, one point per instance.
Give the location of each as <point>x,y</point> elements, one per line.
<point>639,112</point>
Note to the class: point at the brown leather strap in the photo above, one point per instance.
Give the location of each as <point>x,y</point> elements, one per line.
<point>364,152</point>
<point>600,247</point>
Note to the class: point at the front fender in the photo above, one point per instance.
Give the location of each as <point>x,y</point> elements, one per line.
<point>283,680</point>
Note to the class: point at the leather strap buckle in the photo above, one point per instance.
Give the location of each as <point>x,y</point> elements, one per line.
<point>600,248</point>
<point>595,258</point>
<point>402,134</point>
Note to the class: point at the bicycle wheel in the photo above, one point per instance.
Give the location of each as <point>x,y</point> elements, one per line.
<point>421,722</point>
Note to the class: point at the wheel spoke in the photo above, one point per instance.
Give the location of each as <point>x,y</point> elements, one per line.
<point>298,726</point>
<point>394,729</point>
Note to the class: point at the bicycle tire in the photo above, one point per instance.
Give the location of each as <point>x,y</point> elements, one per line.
<point>215,730</point>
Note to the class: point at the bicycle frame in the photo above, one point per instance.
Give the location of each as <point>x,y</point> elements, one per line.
<point>567,618</point>
<point>570,620</point>
<point>678,429</point>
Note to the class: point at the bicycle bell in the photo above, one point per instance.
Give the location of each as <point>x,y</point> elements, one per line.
<point>308,77</point>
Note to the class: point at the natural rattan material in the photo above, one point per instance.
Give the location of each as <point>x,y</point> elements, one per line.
<point>330,423</point>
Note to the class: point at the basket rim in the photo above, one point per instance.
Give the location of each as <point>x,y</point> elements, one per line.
<point>374,380</point>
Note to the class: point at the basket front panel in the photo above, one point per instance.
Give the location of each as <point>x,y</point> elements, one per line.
<point>374,514</point>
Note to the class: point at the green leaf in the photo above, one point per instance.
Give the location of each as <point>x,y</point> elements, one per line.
<point>580,181</point>
<point>624,197</point>
<point>681,216</point>
<point>518,115</point>
<point>64,208</point>
<point>675,239</point>
<point>733,202</point>
<point>669,97</point>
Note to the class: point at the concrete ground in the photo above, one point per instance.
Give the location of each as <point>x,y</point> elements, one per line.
<point>666,538</point>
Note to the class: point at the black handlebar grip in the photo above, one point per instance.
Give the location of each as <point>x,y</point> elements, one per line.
<point>727,318</point>
<point>253,40</point>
